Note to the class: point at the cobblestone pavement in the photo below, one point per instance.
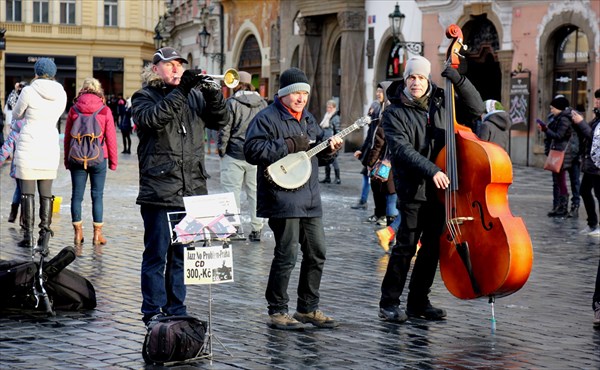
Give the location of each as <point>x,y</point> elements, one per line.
<point>547,324</point>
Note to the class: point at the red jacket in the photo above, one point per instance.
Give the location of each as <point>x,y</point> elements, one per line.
<point>88,104</point>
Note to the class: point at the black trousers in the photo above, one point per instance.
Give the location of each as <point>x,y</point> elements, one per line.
<point>422,221</point>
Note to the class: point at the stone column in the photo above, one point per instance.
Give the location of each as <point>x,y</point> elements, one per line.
<point>311,29</point>
<point>352,90</point>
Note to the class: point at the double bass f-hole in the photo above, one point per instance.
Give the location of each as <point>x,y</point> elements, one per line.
<point>490,225</point>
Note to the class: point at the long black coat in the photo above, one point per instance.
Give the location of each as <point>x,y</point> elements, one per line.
<point>415,136</point>
<point>171,149</point>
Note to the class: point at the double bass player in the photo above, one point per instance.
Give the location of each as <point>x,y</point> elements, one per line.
<point>415,131</point>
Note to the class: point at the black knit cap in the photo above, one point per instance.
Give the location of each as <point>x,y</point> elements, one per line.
<point>292,80</point>
<point>560,103</point>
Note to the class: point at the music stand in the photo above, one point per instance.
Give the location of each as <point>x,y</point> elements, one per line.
<point>207,219</point>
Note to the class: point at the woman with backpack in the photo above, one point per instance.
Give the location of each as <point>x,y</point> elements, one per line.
<point>89,116</point>
<point>37,154</point>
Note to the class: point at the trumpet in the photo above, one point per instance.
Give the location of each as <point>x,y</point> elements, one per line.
<point>231,78</point>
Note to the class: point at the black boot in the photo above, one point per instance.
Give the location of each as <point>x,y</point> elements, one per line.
<point>27,211</point>
<point>14,210</point>
<point>327,179</point>
<point>562,209</point>
<point>574,212</point>
<point>45,222</point>
<point>337,177</point>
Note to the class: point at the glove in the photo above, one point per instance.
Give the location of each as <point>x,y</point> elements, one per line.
<point>297,143</point>
<point>452,74</point>
<point>211,89</point>
<point>188,80</point>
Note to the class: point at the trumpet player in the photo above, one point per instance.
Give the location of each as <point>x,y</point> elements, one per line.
<point>171,112</point>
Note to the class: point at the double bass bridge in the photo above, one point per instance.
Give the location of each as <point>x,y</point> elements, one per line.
<point>460,220</point>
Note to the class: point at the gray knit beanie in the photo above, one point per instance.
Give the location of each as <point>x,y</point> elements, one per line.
<point>417,65</point>
<point>292,80</point>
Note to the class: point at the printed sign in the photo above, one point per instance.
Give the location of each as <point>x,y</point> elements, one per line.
<point>519,99</point>
<point>208,265</point>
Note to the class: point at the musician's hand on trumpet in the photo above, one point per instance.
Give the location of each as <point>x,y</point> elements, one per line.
<point>188,81</point>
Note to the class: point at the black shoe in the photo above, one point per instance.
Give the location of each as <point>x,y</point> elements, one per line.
<point>325,181</point>
<point>392,314</point>
<point>254,236</point>
<point>427,312</point>
<point>359,205</point>
<point>574,212</point>
<point>338,181</point>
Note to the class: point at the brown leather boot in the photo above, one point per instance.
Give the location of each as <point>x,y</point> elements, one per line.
<point>78,230</point>
<point>98,238</point>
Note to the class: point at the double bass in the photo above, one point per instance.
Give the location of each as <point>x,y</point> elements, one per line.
<point>484,251</point>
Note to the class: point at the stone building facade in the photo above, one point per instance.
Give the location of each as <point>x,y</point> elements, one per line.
<point>107,39</point>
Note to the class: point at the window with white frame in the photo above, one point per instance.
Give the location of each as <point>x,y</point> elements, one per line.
<point>13,10</point>
<point>40,11</point>
<point>67,12</point>
<point>110,12</point>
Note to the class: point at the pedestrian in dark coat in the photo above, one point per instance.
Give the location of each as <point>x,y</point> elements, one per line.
<point>171,115</point>
<point>295,217</point>
<point>415,133</point>
<point>558,134</point>
<point>591,173</point>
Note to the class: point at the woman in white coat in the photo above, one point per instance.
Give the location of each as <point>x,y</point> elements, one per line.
<point>37,154</point>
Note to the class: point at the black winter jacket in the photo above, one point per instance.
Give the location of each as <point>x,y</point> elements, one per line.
<point>265,144</point>
<point>586,133</point>
<point>243,106</point>
<point>171,148</point>
<point>416,136</point>
<point>558,135</point>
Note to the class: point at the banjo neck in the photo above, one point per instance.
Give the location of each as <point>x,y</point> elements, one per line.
<point>357,124</point>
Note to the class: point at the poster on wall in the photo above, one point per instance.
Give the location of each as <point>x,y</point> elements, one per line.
<point>519,100</point>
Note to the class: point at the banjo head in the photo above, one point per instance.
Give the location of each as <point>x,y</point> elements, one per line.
<point>291,171</point>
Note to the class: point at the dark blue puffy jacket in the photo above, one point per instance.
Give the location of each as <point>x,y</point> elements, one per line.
<point>265,144</point>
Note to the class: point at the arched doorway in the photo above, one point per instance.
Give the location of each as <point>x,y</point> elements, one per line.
<point>251,62</point>
<point>570,66</point>
<point>482,67</point>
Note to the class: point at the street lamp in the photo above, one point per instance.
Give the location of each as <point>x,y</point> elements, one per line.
<point>396,23</point>
<point>203,41</point>
<point>158,39</point>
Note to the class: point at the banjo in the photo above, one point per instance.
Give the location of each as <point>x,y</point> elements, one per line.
<point>294,170</point>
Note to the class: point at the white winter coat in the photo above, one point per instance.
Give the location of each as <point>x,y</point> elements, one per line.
<point>37,154</point>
